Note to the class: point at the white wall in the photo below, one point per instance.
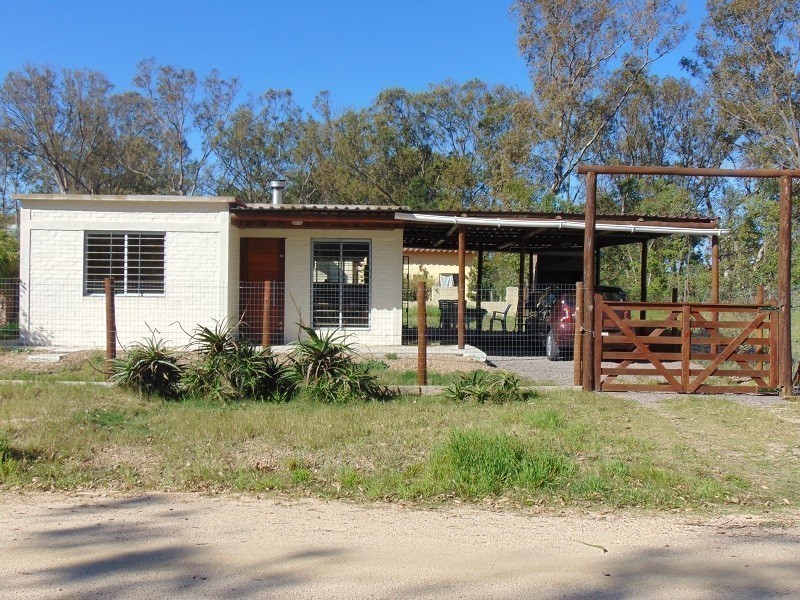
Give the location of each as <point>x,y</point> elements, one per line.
<point>55,312</point>
<point>385,289</point>
<point>201,271</point>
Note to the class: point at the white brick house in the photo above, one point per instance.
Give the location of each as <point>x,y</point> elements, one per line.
<point>179,262</point>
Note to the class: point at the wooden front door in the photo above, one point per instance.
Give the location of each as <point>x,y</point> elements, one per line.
<point>262,263</point>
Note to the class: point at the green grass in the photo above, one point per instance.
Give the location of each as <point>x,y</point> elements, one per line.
<point>562,448</point>
<point>409,377</point>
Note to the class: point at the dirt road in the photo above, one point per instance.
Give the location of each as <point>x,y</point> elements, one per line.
<point>187,546</point>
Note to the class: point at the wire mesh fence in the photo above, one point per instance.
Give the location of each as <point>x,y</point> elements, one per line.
<point>537,320</point>
<point>9,310</point>
<point>63,314</point>
<point>519,323</point>
<point>261,312</point>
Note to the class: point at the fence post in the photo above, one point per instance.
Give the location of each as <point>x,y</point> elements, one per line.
<point>686,346</point>
<point>422,326</point>
<point>760,332</point>
<point>597,366</point>
<point>774,337</point>
<point>577,353</point>
<point>111,323</point>
<point>266,319</point>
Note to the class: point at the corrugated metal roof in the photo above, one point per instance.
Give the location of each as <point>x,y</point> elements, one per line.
<point>322,207</point>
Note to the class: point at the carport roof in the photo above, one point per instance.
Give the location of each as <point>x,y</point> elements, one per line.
<point>537,232</point>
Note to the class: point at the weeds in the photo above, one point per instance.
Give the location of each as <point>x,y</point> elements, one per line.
<point>487,387</point>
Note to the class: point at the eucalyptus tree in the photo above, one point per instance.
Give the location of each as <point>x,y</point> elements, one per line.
<point>257,143</point>
<point>585,59</point>
<point>176,108</point>
<point>668,121</point>
<point>749,53</point>
<point>59,124</point>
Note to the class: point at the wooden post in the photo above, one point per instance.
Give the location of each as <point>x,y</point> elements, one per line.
<point>643,280</point>
<point>714,281</point>
<point>462,301</point>
<point>714,269</point>
<point>111,323</point>
<point>784,287</point>
<point>597,365</point>
<point>530,270</point>
<point>590,216</point>
<point>577,353</point>
<point>760,332</point>
<point>479,291</point>
<point>266,320</point>
<point>686,345</point>
<point>643,273</point>
<point>422,330</point>
<point>521,287</point>
<point>674,295</point>
<point>597,256</point>
<point>773,346</point>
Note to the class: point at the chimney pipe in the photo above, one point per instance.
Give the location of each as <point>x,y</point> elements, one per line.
<point>277,186</point>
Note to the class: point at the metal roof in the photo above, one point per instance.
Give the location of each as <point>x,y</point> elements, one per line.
<point>536,232</point>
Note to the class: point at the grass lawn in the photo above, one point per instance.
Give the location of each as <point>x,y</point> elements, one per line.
<point>562,448</point>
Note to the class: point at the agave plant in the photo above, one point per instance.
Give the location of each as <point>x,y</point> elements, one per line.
<point>149,368</point>
<point>326,366</point>
<point>231,369</point>
<point>216,341</point>
<point>321,355</point>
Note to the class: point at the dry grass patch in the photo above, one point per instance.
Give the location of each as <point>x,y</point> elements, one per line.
<point>563,448</point>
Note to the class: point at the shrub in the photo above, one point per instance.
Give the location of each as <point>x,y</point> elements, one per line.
<point>487,387</point>
<point>325,365</point>
<point>149,368</point>
<point>231,369</point>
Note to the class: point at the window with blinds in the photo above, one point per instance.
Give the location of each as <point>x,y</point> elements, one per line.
<point>340,283</point>
<point>135,260</point>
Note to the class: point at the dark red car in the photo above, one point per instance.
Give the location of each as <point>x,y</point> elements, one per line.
<point>551,318</point>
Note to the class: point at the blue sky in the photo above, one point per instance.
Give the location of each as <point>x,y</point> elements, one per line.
<point>354,48</point>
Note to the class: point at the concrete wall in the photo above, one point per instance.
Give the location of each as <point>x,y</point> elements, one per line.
<point>55,312</point>
<point>436,263</point>
<point>386,279</point>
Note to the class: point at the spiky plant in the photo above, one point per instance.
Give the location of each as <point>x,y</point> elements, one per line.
<point>149,368</point>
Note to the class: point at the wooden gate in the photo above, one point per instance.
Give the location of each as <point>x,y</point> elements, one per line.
<point>685,348</point>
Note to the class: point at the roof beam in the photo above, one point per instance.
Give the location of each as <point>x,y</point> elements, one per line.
<point>633,227</point>
<point>685,171</point>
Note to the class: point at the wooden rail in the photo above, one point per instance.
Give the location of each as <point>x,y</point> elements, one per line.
<point>685,348</point>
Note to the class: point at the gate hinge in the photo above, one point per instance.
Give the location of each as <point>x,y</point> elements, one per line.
<point>769,308</point>
<point>768,390</point>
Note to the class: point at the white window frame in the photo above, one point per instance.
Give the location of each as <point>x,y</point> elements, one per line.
<point>312,270</point>
<point>124,287</point>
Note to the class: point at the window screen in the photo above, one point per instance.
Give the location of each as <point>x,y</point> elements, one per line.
<point>134,260</point>
<point>340,272</point>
